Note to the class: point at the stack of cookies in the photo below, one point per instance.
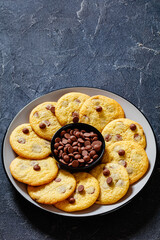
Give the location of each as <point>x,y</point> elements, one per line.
<point>124,161</point>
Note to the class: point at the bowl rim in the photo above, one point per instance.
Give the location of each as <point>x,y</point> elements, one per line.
<point>77,125</point>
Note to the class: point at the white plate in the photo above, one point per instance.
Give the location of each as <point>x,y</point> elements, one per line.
<point>131,112</point>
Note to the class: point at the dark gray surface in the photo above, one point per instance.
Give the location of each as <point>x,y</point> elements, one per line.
<point>47,45</point>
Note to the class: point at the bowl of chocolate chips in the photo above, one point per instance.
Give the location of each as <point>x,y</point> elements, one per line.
<point>78,147</point>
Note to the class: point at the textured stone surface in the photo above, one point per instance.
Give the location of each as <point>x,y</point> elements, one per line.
<point>46,45</point>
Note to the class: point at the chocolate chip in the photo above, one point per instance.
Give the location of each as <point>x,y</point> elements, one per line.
<point>86,158</point>
<point>106,172</point>
<point>71,132</point>
<point>62,161</point>
<point>76,152</point>
<point>48,107</point>
<point>95,157</point>
<point>36,167</point>
<point>74,144</point>
<point>109,180</point>
<point>88,147</point>
<point>56,145</point>
<point>67,135</point>
<point>75,163</point>
<point>83,131</point>
<point>118,137</point>
<point>87,134</point>
<point>62,133</point>
<point>65,149</point>
<point>133,127</point>
<point>75,148</point>
<point>92,153</point>
<point>60,153</point>
<point>56,152</point>
<point>123,163</point>
<point>71,200</point>
<point>21,140</point>
<point>57,179</point>
<point>97,147</point>
<point>80,188</point>
<point>84,153</point>
<point>42,125</point>
<point>64,141</point>
<point>93,134</point>
<point>52,109</point>
<point>80,140</point>
<point>90,161</point>
<point>95,139</point>
<point>80,150</point>
<point>68,145</point>
<point>69,141</point>
<point>75,114</point>
<point>71,155</point>
<point>25,130</point>
<point>121,152</point>
<point>60,147</point>
<point>99,109</point>
<point>73,138</point>
<point>66,158</point>
<point>77,134</point>
<point>81,160</point>
<point>57,140</point>
<point>107,137</point>
<point>87,143</point>
<point>97,143</point>
<point>47,122</point>
<point>137,137</point>
<point>77,156</point>
<point>68,130</point>
<point>76,119</point>
<point>60,143</point>
<point>70,149</point>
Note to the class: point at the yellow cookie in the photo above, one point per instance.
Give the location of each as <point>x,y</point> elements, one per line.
<point>26,143</point>
<point>57,190</point>
<point>105,157</point>
<point>34,172</point>
<point>99,111</point>
<point>43,120</point>
<point>68,106</point>
<point>132,156</point>
<point>124,129</point>
<point>85,195</point>
<point>113,181</point>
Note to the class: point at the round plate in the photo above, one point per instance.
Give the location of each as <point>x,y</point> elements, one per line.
<point>131,112</point>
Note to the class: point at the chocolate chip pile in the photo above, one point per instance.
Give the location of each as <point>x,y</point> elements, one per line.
<point>77,148</point>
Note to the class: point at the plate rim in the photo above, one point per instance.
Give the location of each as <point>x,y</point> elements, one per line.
<point>78,216</point>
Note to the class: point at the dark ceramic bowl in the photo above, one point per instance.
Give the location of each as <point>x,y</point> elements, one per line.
<point>87,128</point>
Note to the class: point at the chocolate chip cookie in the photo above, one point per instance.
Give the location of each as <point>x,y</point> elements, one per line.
<point>27,144</point>
<point>68,106</point>
<point>43,120</point>
<point>99,110</point>
<point>34,172</point>
<point>124,129</point>
<point>84,196</point>
<point>113,181</point>
<point>57,190</point>
<point>130,155</point>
